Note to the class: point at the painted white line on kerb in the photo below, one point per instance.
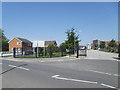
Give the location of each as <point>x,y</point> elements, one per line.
<point>19,67</point>
<point>76,80</point>
<point>107,85</point>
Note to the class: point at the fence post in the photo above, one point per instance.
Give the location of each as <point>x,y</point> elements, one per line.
<point>14,52</point>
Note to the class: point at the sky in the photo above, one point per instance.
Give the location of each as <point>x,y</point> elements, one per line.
<point>50,20</point>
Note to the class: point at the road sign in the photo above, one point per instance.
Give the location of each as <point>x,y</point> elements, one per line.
<point>38,43</point>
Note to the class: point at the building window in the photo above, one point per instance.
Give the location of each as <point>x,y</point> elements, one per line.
<point>19,49</point>
<point>18,43</point>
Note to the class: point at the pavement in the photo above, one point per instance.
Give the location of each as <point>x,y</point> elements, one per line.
<point>96,54</point>
<point>67,72</point>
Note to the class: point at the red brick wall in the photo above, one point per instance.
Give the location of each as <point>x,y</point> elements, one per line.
<point>94,42</point>
<point>26,47</point>
<point>13,44</point>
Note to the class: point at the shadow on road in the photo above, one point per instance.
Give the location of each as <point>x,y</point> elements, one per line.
<point>12,68</point>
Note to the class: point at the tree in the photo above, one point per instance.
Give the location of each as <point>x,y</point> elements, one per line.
<point>62,48</point>
<point>50,49</point>
<point>57,49</point>
<point>112,43</point>
<point>4,41</point>
<point>102,44</point>
<point>96,46</point>
<point>40,51</point>
<point>72,40</point>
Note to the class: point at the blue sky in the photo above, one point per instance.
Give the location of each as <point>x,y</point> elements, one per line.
<point>50,20</point>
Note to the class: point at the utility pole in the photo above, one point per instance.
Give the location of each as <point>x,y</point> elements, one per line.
<point>119,50</point>
<point>74,44</point>
<point>44,50</point>
<point>119,37</point>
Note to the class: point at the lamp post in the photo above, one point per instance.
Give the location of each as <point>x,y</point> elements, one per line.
<point>74,40</point>
<point>119,51</point>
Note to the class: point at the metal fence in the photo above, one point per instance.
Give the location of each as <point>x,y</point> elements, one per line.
<point>8,54</point>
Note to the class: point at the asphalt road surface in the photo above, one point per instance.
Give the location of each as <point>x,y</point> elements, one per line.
<point>81,73</point>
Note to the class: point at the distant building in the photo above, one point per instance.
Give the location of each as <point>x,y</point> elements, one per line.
<point>41,43</point>
<point>98,42</point>
<point>19,44</point>
<point>107,42</point>
<point>50,42</point>
<point>82,47</point>
<point>89,46</point>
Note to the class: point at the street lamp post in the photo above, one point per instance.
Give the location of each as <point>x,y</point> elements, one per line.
<point>74,41</point>
<point>74,45</point>
<point>119,50</point>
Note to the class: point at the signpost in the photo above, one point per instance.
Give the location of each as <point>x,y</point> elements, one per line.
<point>37,44</point>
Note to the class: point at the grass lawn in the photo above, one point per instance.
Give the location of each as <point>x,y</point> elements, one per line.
<point>56,54</point>
<point>109,51</point>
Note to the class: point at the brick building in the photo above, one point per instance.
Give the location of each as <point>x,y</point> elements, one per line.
<point>98,42</point>
<point>107,42</point>
<point>50,42</point>
<point>19,44</point>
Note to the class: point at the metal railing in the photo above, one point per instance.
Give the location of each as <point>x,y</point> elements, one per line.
<point>7,54</point>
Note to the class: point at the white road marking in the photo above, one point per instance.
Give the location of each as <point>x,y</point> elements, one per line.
<point>107,85</point>
<point>108,73</point>
<point>97,71</point>
<point>0,63</point>
<point>116,75</point>
<point>19,67</point>
<point>104,73</point>
<point>57,77</point>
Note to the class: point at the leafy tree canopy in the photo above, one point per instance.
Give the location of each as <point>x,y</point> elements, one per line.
<point>51,49</point>
<point>3,41</point>
<point>72,39</point>
<point>112,43</point>
<point>63,47</point>
<point>102,44</point>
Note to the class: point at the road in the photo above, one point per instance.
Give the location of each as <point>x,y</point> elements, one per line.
<point>79,73</point>
<point>40,75</point>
